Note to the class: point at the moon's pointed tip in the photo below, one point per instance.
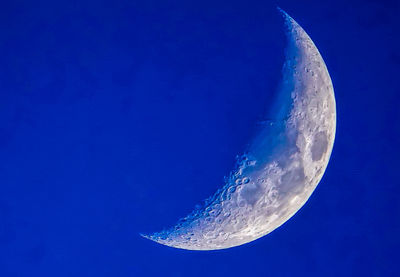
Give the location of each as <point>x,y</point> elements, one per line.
<point>289,22</point>
<point>288,19</point>
<point>280,10</point>
<point>283,13</point>
<point>146,236</point>
<point>149,237</point>
<point>156,237</point>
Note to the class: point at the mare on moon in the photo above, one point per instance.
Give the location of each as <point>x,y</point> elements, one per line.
<point>282,166</point>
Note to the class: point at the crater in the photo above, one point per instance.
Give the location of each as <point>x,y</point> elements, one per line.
<point>251,193</point>
<point>319,146</point>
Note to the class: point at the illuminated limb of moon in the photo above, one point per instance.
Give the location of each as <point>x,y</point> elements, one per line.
<point>282,166</point>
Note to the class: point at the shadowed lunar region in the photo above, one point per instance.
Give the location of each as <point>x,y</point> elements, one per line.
<point>282,165</point>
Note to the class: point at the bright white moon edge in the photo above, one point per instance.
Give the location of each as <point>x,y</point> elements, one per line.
<point>282,166</point>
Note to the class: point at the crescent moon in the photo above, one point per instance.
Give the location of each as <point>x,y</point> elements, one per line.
<point>282,166</point>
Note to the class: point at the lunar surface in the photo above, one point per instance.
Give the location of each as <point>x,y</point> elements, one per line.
<point>282,165</point>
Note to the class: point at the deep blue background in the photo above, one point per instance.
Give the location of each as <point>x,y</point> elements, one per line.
<point>117,117</point>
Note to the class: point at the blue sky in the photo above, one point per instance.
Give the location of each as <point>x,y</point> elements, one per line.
<point>118,117</point>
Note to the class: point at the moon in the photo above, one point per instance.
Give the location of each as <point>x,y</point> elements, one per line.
<point>283,163</point>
